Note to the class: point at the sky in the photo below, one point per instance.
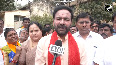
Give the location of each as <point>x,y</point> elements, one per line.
<point>22,2</point>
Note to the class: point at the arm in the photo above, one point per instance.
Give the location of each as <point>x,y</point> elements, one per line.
<point>16,57</point>
<point>39,58</point>
<point>22,57</point>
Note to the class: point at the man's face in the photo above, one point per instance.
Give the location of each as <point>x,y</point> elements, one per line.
<point>62,22</point>
<point>83,25</point>
<point>105,30</point>
<point>24,35</point>
<point>94,27</point>
<point>26,23</point>
<point>73,30</point>
<point>1,25</point>
<point>114,23</point>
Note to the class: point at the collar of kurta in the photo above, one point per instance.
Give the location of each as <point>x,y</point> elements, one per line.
<point>13,47</point>
<point>74,55</point>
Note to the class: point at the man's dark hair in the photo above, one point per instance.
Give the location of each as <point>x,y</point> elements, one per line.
<point>84,15</point>
<point>62,8</point>
<point>47,24</point>
<point>114,15</point>
<point>106,25</point>
<point>26,19</point>
<point>48,29</point>
<point>36,23</point>
<point>96,22</point>
<point>8,30</point>
<point>1,20</point>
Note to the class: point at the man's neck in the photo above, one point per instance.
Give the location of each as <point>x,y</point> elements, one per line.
<point>62,37</point>
<point>84,35</point>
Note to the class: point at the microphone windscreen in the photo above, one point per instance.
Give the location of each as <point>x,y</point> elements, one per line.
<point>58,43</point>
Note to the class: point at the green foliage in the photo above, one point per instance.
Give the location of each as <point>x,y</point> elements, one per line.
<point>42,19</point>
<point>96,9</point>
<point>7,5</point>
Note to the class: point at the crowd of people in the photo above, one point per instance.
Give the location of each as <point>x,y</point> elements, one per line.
<point>88,42</point>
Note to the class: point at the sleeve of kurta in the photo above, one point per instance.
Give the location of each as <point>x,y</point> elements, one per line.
<point>39,57</point>
<point>22,58</point>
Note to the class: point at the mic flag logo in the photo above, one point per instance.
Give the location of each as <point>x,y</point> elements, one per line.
<point>56,49</point>
<point>108,7</point>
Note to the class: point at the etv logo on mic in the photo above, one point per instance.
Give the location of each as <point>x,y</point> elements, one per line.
<point>56,49</point>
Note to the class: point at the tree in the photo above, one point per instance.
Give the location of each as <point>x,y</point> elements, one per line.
<point>7,5</point>
<point>96,9</point>
<point>42,19</point>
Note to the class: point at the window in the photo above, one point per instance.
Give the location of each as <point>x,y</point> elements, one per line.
<point>18,18</point>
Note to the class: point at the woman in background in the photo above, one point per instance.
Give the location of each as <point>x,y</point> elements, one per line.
<point>27,56</point>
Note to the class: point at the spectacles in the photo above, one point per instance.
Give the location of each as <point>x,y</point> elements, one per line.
<point>82,22</point>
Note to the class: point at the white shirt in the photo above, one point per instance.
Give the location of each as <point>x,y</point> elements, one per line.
<point>18,31</point>
<point>2,40</point>
<point>1,58</point>
<point>92,41</point>
<point>106,54</point>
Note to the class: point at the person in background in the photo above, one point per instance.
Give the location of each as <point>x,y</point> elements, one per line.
<point>90,39</point>
<point>46,31</point>
<point>2,38</point>
<point>94,26</point>
<point>23,35</point>
<point>73,29</point>
<point>62,20</point>
<point>47,25</point>
<point>25,24</point>
<point>105,30</point>
<point>29,47</point>
<point>114,22</point>
<point>12,50</point>
<point>105,54</point>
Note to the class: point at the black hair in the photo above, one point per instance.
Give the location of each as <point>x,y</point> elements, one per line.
<point>114,15</point>
<point>48,29</point>
<point>1,20</point>
<point>8,30</point>
<point>106,25</point>
<point>62,8</point>
<point>46,24</point>
<point>84,15</point>
<point>38,24</point>
<point>26,19</point>
<point>96,22</point>
<point>22,30</point>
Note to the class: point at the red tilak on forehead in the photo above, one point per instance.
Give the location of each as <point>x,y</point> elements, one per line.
<point>62,14</point>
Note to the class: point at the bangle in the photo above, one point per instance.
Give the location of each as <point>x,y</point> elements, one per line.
<point>14,61</point>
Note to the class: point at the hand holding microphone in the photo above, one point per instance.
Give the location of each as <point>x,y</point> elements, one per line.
<point>56,50</point>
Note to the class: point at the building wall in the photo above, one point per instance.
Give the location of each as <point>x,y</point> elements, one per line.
<point>40,8</point>
<point>9,17</point>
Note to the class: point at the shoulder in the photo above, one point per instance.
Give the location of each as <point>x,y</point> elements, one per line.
<point>96,35</point>
<point>24,44</point>
<point>6,49</point>
<point>75,34</point>
<point>44,41</point>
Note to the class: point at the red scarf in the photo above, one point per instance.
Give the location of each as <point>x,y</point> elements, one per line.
<point>74,55</point>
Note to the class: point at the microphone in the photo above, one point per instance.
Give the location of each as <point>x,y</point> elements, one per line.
<point>56,50</point>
